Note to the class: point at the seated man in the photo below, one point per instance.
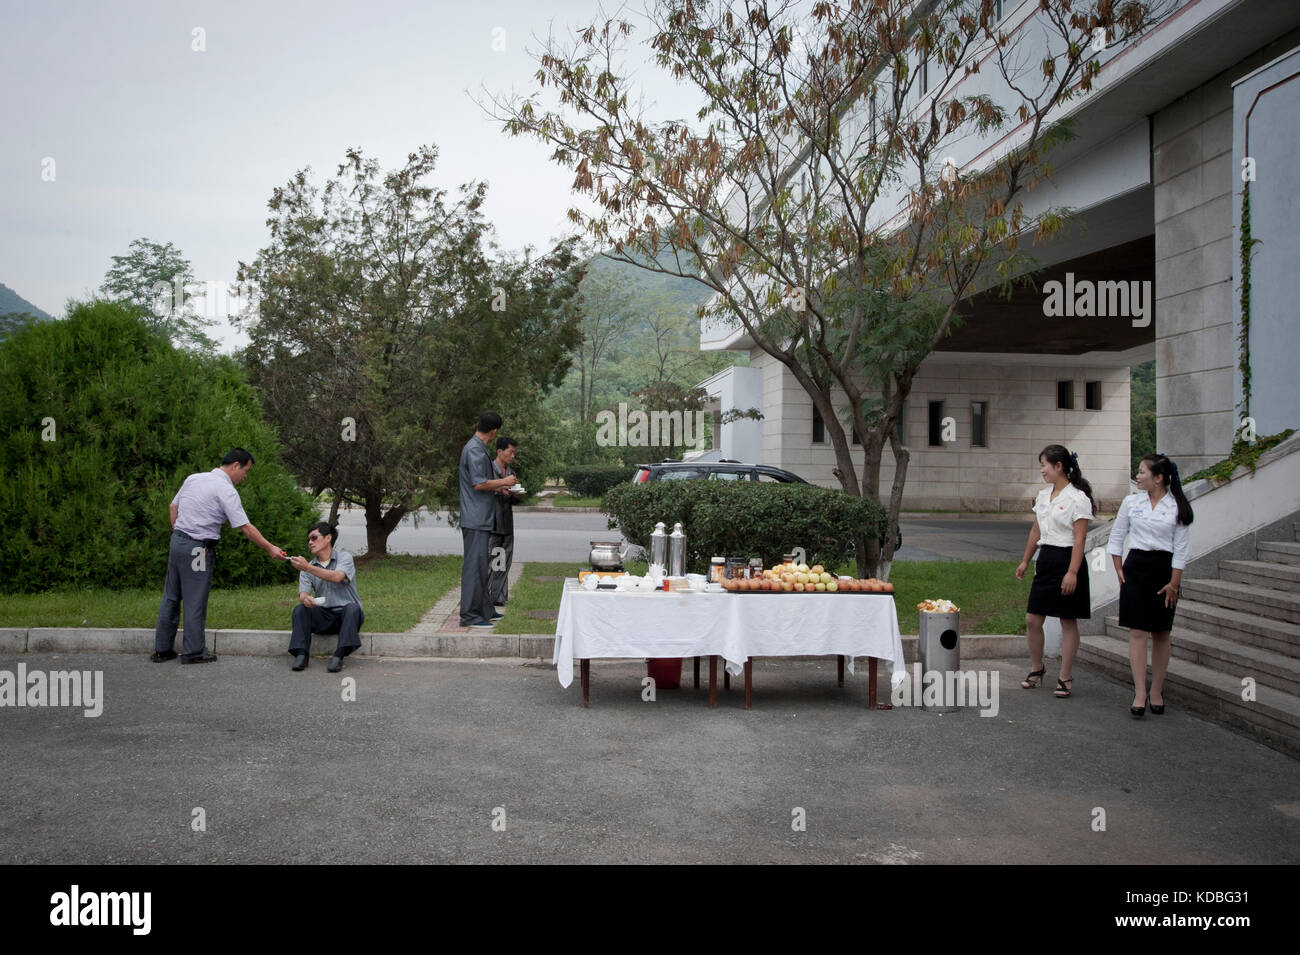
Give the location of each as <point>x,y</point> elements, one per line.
<point>327,598</point>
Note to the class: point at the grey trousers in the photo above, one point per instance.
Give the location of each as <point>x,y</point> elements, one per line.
<point>475,605</point>
<point>345,621</point>
<point>499,580</point>
<point>189,578</point>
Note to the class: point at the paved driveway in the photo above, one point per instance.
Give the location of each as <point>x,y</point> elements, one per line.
<point>430,752</point>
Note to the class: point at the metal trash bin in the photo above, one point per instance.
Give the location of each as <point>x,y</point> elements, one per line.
<point>939,652</point>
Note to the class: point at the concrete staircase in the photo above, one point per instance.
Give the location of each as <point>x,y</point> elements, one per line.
<point>1243,624</point>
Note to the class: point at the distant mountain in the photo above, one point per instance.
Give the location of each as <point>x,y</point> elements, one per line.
<point>11,303</point>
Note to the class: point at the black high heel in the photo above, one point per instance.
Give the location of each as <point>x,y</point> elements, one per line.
<point>1158,710</point>
<point>1137,711</point>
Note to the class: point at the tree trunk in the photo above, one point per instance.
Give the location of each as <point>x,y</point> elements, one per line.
<point>334,507</point>
<point>380,525</point>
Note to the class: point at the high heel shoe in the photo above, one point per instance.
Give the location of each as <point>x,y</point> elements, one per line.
<point>1137,711</point>
<point>1035,679</point>
<point>1157,708</point>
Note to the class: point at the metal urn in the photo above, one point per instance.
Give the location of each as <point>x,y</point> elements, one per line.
<point>659,546</point>
<point>677,552</point>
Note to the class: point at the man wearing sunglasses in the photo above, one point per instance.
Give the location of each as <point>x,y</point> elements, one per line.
<point>327,598</point>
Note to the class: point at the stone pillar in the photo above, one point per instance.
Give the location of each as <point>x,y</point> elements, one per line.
<point>1192,172</point>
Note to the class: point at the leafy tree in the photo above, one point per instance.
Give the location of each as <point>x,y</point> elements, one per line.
<point>607,312</point>
<point>106,420</point>
<point>1142,413</point>
<point>812,197</point>
<point>152,278</point>
<point>385,327</point>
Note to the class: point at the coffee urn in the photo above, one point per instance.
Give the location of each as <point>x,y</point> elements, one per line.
<point>677,552</point>
<point>659,547</point>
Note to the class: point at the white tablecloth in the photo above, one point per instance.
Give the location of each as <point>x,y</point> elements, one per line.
<point>610,625</point>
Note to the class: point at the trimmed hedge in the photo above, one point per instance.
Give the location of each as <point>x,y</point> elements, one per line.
<point>747,519</point>
<point>594,480</point>
<point>132,418</point>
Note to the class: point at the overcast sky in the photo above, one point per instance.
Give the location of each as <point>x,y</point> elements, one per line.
<point>151,138</point>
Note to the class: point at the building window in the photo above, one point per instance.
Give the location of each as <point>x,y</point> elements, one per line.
<point>1092,395</point>
<point>936,424</point>
<point>924,78</point>
<point>997,11</point>
<point>979,424</point>
<point>856,438</point>
<point>1065,395</point>
<point>819,427</point>
<point>900,426</point>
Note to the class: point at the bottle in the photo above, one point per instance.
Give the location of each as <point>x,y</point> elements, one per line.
<point>659,546</point>
<point>677,552</point>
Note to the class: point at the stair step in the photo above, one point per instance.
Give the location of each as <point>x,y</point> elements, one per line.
<point>1260,601</point>
<point>1261,573</point>
<point>1272,718</point>
<point>1279,552</point>
<point>1235,659</point>
<point>1250,627</point>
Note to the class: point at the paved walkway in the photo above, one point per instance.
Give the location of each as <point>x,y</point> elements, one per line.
<point>417,768</point>
<point>444,617</point>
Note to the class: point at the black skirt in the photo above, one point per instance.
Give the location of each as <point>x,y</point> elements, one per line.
<point>1045,595</point>
<point>1141,605</point>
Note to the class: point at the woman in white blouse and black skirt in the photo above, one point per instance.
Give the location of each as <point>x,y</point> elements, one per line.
<point>1060,589</point>
<point>1156,521</point>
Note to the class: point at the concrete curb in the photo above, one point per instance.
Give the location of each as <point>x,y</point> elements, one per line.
<point>534,646</point>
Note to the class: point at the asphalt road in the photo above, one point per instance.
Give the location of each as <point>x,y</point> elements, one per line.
<point>565,536</point>
<point>432,752</point>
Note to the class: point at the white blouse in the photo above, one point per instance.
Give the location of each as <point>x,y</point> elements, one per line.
<point>1150,529</point>
<point>1056,517</point>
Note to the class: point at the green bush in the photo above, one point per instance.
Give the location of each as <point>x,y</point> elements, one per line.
<point>132,417</point>
<point>595,480</point>
<point>747,519</point>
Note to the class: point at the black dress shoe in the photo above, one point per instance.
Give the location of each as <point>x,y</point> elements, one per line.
<point>335,664</point>
<point>300,661</point>
<point>1158,710</point>
<point>207,656</point>
<point>162,656</point>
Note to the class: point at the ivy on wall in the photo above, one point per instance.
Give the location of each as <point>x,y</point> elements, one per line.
<point>1243,336</point>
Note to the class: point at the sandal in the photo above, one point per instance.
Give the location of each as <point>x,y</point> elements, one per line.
<point>1062,691</point>
<point>1034,679</point>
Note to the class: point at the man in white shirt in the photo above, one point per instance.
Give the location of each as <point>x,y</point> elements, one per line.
<point>205,501</point>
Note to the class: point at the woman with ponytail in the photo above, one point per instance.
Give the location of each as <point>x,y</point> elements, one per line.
<point>1061,515</point>
<point>1156,521</point>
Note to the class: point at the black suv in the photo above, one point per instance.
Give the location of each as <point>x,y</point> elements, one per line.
<point>723,470</point>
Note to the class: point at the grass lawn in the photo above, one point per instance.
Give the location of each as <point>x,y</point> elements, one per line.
<point>564,500</point>
<point>396,592</point>
<point>990,597</point>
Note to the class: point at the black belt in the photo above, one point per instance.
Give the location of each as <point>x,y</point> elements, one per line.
<point>211,543</point>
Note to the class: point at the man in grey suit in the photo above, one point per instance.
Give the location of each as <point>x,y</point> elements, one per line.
<point>327,598</point>
<point>478,490</point>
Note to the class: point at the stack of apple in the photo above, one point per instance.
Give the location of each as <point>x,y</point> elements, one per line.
<point>800,578</point>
